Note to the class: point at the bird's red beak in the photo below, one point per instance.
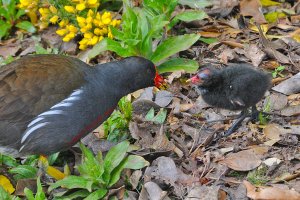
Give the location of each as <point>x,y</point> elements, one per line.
<point>158,80</point>
<point>195,80</point>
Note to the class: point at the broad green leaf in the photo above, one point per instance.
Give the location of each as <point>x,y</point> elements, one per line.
<point>160,117</point>
<point>196,3</point>
<point>91,165</point>
<point>4,28</point>
<point>173,45</point>
<point>40,195</point>
<point>150,115</point>
<point>136,162</point>
<point>116,173</point>
<point>272,17</point>
<point>52,158</point>
<point>27,26</point>
<point>176,64</point>
<point>8,161</point>
<point>71,182</point>
<point>4,194</point>
<point>20,13</point>
<point>109,44</point>
<point>98,194</point>
<point>24,171</point>
<point>29,194</point>
<point>115,156</point>
<point>188,16</point>
<point>208,40</point>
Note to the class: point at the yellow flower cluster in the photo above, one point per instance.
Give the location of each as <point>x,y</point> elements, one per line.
<point>30,7</point>
<point>94,27</point>
<point>80,17</point>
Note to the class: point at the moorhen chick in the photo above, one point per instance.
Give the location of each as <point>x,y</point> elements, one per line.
<point>49,102</point>
<point>236,87</point>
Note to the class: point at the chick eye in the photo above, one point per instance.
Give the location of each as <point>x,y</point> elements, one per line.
<point>203,75</point>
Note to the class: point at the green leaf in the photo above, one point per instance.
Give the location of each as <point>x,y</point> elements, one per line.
<point>176,64</point>
<point>20,13</point>
<point>208,40</point>
<point>114,157</point>
<point>91,166</point>
<point>188,16</point>
<point>8,161</point>
<point>24,171</point>
<point>52,158</point>
<point>27,26</point>
<point>4,194</point>
<point>4,29</point>
<point>29,194</point>
<point>109,44</point>
<point>160,117</point>
<point>116,173</point>
<point>173,45</point>
<point>136,162</point>
<point>150,115</point>
<point>196,3</point>
<point>40,195</point>
<point>98,194</point>
<point>71,182</point>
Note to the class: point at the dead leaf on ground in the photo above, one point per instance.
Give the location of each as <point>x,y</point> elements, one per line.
<point>289,86</point>
<point>252,8</point>
<point>267,193</point>
<point>290,111</point>
<point>153,192</point>
<point>204,192</point>
<point>25,183</point>
<point>255,54</point>
<point>242,161</point>
<point>10,48</point>
<point>277,101</point>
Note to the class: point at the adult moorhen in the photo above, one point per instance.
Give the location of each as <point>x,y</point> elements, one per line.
<point>236,87</point>
<point>49,102</point>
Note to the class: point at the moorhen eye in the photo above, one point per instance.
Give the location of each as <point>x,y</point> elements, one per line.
<point>236,87</point>
<point>49,102</point>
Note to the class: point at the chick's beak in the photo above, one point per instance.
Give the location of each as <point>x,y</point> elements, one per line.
<point>195,80</point>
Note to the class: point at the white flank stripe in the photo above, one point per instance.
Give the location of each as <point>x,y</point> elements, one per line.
<point>32,129</point>
<point>72,98</point>
<point>35,121</point>
<point>52,112</point>
<point>62,104</point>
<point>77,92</point>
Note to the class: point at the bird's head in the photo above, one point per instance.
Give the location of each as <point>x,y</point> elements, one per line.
<point>202,77</point>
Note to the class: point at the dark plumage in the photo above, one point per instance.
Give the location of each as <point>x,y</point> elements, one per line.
<point>49,102</point>
<point>236,87</point>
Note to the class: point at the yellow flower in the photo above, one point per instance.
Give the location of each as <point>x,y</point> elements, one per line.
<point>101,38</point>
<point>89,19</point>
<point>82,47</point>
<point>44,11</point>
<point>72,28</point>
<point>63,23</point>
<point>43,25</point>
<point>53,9</point>
<point>93,41</point>
<point>109,35</point>
<point>84,29</point>
<point>53,19</point>
<point>6,184</point>
<point>61,32</point>
<point>68,37</point>
<point>97,31</point>
<point>98,16</point>
<point>80,19</point>
<point>25,3</point>
<point>80,6</point>
<point>92,2</point>
<point>84,41</point>
<point>90,13</point>
<point>88,35</point>
<point>115,22</point>
<point>69,9</point>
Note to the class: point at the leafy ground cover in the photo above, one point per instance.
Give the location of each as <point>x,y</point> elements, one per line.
<point>160,144</point>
